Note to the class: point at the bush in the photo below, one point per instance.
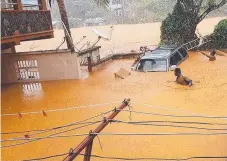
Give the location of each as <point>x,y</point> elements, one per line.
<point>220,34</point>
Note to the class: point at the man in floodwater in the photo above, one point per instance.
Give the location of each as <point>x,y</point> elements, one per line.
<point>182,79</point>
<point>211,56</point>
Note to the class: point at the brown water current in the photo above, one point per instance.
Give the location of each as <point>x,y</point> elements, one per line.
<point>208,96</point>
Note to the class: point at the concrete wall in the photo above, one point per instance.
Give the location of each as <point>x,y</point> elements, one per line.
<point>93,53</point>
<point>52,65</point>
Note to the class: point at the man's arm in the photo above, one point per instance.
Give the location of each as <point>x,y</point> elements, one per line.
<point>205,54</point>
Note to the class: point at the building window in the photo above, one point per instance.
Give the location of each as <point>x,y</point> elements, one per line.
<point>30,5</point>
<point>27,69</point>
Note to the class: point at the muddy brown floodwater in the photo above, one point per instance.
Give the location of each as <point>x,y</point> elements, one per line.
<point>208,96</point>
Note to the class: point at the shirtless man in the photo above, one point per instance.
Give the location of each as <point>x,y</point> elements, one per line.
<point>211,56</point>
<point>182,79</point>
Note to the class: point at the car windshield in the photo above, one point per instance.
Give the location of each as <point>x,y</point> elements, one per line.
<point>151,65</point>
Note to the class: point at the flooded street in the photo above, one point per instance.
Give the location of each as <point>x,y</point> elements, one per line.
<point>207,97</point>
<point>153,93</point>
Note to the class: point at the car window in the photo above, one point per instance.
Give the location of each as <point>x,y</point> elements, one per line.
<point>183,52</point>
<point>151,65</point>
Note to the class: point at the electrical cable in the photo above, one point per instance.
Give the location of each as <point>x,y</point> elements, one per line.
<point>149,124</point>
<point>175,122</point>
<point>157,134</point>
<point>60,109</point>
<point>121,158</point>
<point>49,136</point>
<point>167,115</point>
<point>58,127</point>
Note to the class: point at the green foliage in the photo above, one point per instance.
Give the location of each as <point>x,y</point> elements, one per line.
<point>220,34</point>
<point>211,2</point>
<point>174,28</point>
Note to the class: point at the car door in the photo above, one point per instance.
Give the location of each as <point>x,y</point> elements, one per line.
<point>180,58</point>
<point>175,59</point>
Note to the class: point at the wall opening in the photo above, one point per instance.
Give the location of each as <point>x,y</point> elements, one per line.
<point>27,69</point>
<point>32,90</point>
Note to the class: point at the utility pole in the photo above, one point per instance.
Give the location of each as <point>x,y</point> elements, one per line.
<point>87,142</point>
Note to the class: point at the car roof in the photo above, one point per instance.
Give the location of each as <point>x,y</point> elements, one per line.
<point>161,52</point>
<point>158,53</point>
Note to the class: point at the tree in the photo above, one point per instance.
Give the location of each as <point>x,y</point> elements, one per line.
<point>180,26</point>
<point>220,34</point>
<point>65,20</point>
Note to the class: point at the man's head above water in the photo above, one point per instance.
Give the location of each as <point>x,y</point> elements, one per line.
<point>177,72</point>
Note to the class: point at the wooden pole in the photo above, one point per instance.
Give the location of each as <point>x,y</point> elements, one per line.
<point>75,152</point>
<point>88,150</point>
<point>18,6</point>
<point>89,64</point>
<point>43,5</point>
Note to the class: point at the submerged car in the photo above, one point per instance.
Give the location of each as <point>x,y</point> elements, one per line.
<point>162,59</point>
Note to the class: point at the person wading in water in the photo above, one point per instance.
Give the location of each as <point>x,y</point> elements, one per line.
<point>182,79</point>
<point>211,56</point>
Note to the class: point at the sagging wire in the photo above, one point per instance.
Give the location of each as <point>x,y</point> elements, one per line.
<point>159,134</point>
<point>168,115</point>
<point>118,134</point>
<point>27,138</point>
<point>60,109</point>
<point>100,144</point>
<point>124,158</point>
<point>130,113</point>
<point>58,127</point>
<point>181,126</point>
<point>175,122</point>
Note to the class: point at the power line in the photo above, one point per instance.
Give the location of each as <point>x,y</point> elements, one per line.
<point>136,123</point>
<point>171,109</point>
<point>157,134</point>
<point>113,134</point>
<point>44,158</point>
<point>42,130</point>
<point>121,158</point>
<point>60,109</point>
<point>168,115</point>
<point>49,136</point>
<point>58,127</point>
<point>175,122</point>
<point>149,124</point>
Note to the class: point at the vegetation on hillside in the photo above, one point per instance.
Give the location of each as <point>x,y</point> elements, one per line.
<point>179,27</point>
<point>134,11</point>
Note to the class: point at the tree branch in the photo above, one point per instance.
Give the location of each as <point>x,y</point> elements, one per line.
<point>209,9</point>
<point>199,6</point>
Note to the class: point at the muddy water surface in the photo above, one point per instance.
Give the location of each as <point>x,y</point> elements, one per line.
<point>208,96</point>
